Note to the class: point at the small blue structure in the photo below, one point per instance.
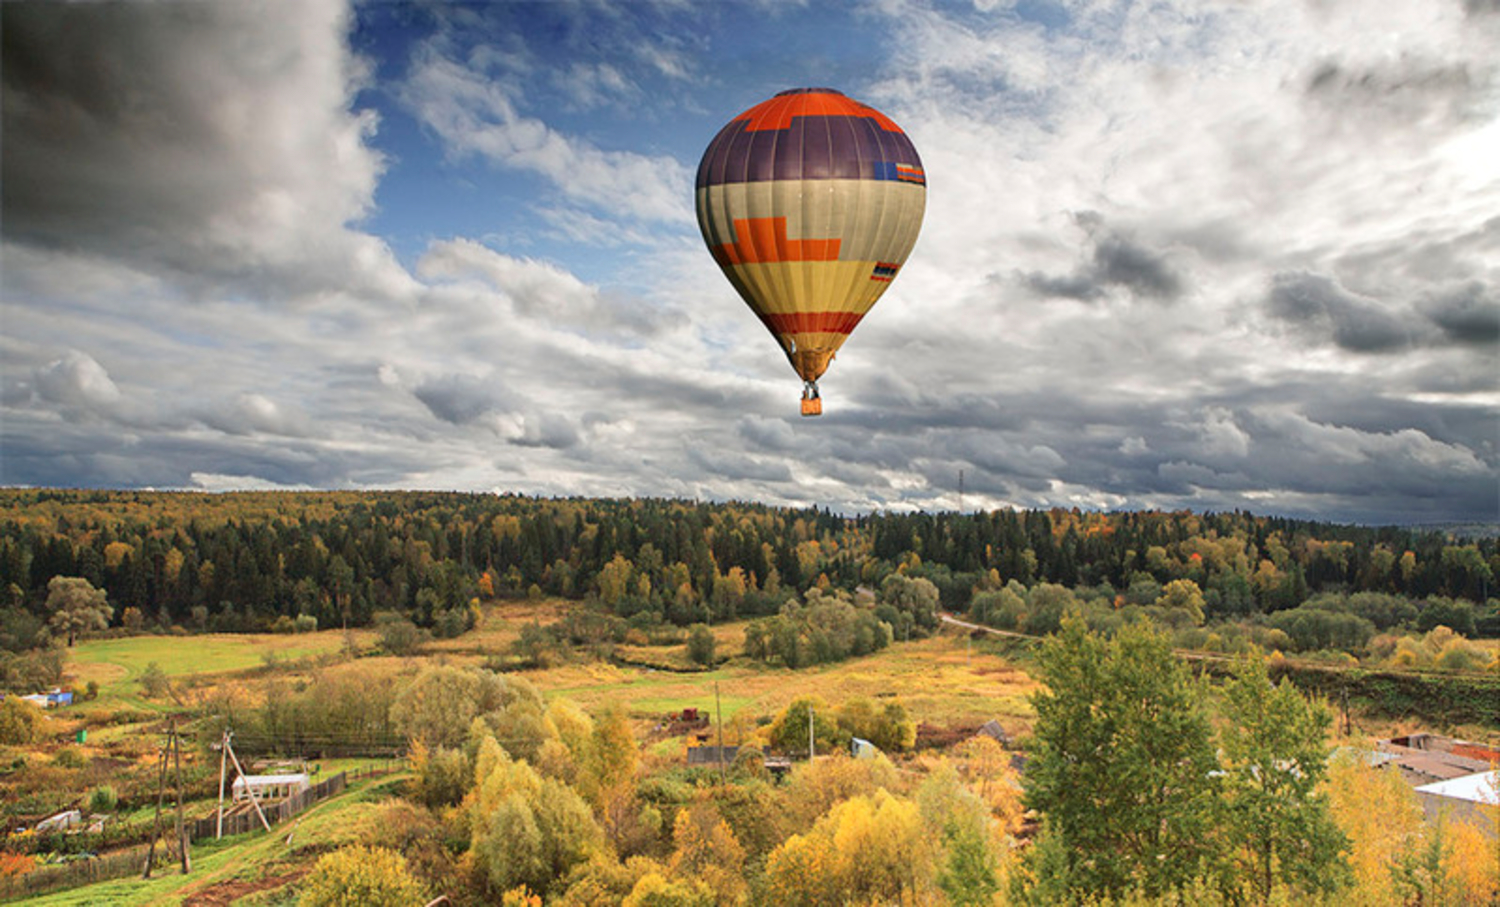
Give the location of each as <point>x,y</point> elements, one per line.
<point>862,749</point>
<point>51,699</point>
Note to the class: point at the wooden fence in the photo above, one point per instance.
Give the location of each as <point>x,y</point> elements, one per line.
<point>72,874</point>
<point>128,862</point>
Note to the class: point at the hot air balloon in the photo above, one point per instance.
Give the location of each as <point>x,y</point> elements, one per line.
<point>810,203</point>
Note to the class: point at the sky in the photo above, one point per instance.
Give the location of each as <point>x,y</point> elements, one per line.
<point>1202,255</point>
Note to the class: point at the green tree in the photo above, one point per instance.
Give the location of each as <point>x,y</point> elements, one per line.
<point>1274,760</point>
<point>360,876</point>
<point>789,732</point>
<point>78,609</point>
<point>1123,763</point>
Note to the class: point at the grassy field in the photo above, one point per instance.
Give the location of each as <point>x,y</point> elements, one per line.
<point>117,664</point>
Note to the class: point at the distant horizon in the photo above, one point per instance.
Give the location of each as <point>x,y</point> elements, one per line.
<point>1211,257</point>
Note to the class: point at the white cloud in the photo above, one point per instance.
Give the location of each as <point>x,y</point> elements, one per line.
<point>77,381</point>
<point>474,114</point>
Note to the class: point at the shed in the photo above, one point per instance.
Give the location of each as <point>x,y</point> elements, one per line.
<point>51,699</point>
<point>1461,798</point>
<point>993,729</point>
<point>709,755</point>
<point>60,822</point>
<point>860,748</point>
<point>268,787</point>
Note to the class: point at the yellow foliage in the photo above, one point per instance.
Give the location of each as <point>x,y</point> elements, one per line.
<point>869,849</point>
<point>1359,792</point>
<point>364,876</point>
<point>1471,863</point>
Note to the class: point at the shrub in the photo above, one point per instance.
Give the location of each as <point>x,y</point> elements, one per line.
<point>154,683</point>
<point>367,876</point>
<point>69,757</point>
<point>284,624</point>
<point>19,721</point>
<point>399,636</point>
<point>305,623</point>
<point>103,799</point>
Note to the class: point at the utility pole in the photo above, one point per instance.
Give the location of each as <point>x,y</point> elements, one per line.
<point>223,766</point>
<point>182,839</point>
<point>720,710</point>
<point>161,788</point>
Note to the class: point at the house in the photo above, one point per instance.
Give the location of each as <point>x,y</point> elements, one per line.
<point>1462,798</point>
<point>268,787</point>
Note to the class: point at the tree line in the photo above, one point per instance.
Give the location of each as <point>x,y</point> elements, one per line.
<point>242,561</point>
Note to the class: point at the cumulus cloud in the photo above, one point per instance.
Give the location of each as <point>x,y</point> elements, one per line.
<point>76,381</point>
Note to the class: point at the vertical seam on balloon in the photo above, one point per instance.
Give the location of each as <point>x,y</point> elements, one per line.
<point>777,273</point>
<point>754,278</point>
<point>878,251</point>
<point>854,217</point>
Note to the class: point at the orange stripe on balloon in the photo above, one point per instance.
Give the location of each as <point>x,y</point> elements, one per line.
<point>762,240</point>
<point>811,322</point>
<point>777,113</point>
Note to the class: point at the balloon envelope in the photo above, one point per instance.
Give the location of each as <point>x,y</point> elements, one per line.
<point>810,202</point>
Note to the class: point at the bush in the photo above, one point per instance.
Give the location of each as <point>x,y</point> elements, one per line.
<point>701,645</point>
<point>19,721</point>
<point>103,799</point>
<point>284,624</point>
<point>69,757</point>
<point>367,876</point>
<point>154,683</point>
<point>399,636</point>
<point>305,623</point>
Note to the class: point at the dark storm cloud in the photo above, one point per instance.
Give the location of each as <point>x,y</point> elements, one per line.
<point>1467,315</point>
<point>205,140</point>
<point>1318,303</point>
<point>95,455</point>
<point>458,399</point>
<point>548,430</point>
<point>1116,260</point>
<point>1398,95</point>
